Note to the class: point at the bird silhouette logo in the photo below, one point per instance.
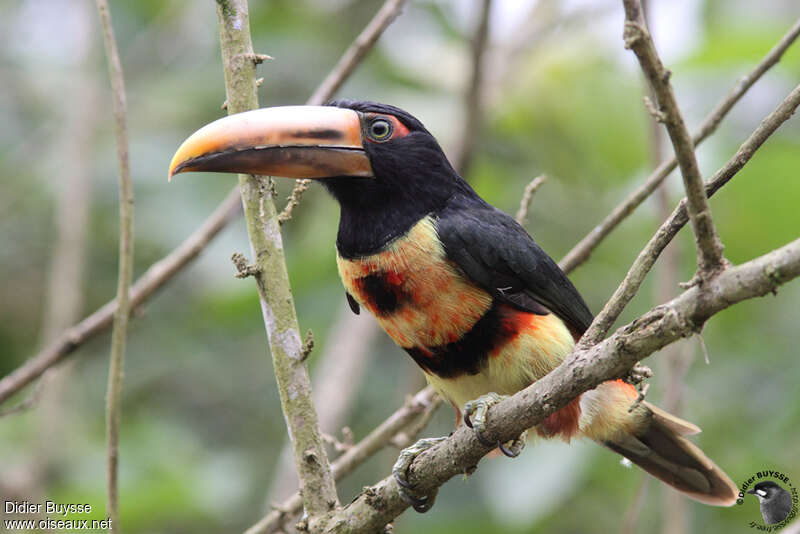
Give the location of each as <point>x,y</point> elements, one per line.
<point>774,501</point>
<point>777,499</point>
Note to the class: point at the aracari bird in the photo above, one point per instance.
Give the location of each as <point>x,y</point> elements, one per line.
<point>456,283</point>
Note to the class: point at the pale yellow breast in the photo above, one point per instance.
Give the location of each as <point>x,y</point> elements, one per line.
<point>538,349</point>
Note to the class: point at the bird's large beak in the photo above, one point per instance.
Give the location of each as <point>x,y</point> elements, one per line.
<point>290,141</point>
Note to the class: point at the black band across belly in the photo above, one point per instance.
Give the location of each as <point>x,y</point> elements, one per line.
<point>469,354</point>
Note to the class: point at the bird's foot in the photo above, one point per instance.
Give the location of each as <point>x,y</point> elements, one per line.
<point>421,503</point>
<point>475,412</point>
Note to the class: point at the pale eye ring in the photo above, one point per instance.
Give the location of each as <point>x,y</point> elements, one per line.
<point>380,130</point>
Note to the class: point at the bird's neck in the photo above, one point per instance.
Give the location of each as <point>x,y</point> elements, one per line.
<point>366,231</point>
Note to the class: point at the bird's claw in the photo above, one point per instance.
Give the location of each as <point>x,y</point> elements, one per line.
<point>421,503</point>
<point>475,412</point>
<point>514,447</point>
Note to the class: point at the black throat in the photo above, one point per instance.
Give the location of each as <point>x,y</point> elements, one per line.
<point>372,217</point>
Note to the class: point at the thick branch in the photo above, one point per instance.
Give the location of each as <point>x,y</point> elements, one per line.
<point>638,39</point>
<point>120,331</point>
<point>647,257</point>
<point>277,304</point>
<point>355,456</point>
<point>583,249</point>
<point>343,69</point>
<point>583,370</point>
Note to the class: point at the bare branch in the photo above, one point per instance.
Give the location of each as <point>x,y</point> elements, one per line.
<point>408,436</point>
<point>583,370</point>
<point>647,257</point>
<point>156,276</point>
<point>277,304</point>
<point>416,406</point>
<point>637,38</point>
<point>583,249</point>
<point>356,52</point>
<point>300,187</point>
<point>120,331</point>
<point>527,196</point>
<point>473,97</point>
<point>343,69</point>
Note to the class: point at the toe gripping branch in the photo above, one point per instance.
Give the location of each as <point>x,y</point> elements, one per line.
<point>420,503</point>
<point>475,412</point>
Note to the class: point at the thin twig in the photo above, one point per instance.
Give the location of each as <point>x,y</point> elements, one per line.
<point>119,333</point>
<point>344,68</point>
<point>679,217</point>
<point>380,437</point>
<point>356,51</point>
<point>527,196</point>
<point>277,304</point>
<point>409,435</point>
<point>582,370</point>
<point>637,37</point>
<point>583,249</point>
<point>473,96</point>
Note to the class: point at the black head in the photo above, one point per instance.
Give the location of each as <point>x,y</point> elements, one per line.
<point>412,178</point>
<point>766,490</point>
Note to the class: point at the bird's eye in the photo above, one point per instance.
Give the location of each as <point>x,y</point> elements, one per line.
<point>380,130</point>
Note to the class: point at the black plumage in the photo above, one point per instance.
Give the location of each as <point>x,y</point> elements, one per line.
<point>413,178</point>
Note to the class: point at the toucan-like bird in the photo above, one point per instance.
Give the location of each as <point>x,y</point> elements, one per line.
<point>456,283</point>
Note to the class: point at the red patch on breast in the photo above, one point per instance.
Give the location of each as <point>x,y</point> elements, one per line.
<point>564,421</point>
<point>630,389</point>
<point>512,323</point>
<point>394,278</point>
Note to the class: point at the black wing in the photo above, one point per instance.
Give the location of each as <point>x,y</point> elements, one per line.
<point>498,254</point>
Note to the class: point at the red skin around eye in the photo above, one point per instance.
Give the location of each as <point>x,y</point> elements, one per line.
<point>398,128</point>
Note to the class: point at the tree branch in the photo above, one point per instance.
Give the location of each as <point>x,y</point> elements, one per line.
<point>473,97</point>
<point>156,276</point>
<point>343,361</point>
<point>527,196</point>
<point>584,248</point>
<point>647,257</point>
<point>119,333</point>
<point>637,37</point>
<point>583,370</point>
<point>380,437</point>
<point>343,69</point>
<point>277,304</point>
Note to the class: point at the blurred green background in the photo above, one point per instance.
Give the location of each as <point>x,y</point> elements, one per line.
<point>201,426</point>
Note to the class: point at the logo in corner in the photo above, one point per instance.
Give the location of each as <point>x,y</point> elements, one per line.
<point>777,499</point>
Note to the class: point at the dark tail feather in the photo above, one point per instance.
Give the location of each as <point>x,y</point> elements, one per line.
<point>661,450</point>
